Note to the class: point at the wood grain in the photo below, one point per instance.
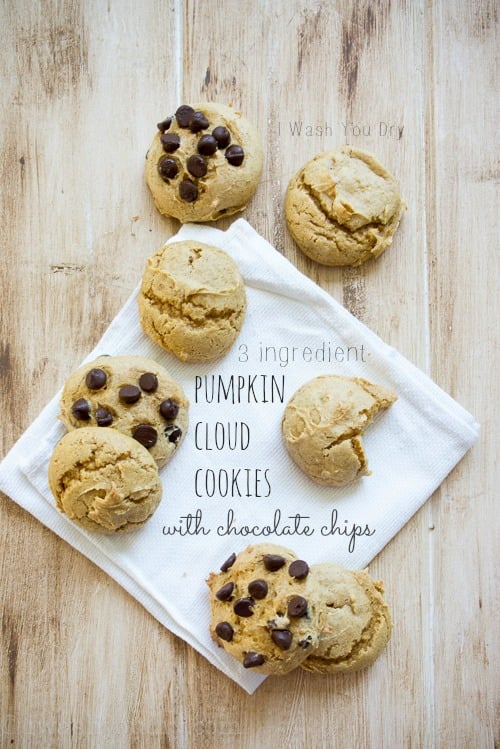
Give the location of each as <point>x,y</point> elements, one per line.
<point>83,84</point>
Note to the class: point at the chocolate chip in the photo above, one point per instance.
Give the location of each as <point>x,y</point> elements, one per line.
<point>273,562</point>
<point>224,631</point>
<point>297,606</point>
<point>103,417</point>
<point>183,115</point>
<point>169,409</point>
<point>146,435</point>
<point>170,142</point>
<point>253,659</point>
<point>228,563</point>
<point>244,607</point>
<point>188,191</point>
<point>304,644</point>
<point>148,382</point>
<point>96,379</point>
<point>222,136</point>
<point>81,409</point>
<point>197,165</point>
<point>282,638</point>
<point>173,432</point>
<point>258,589</point>
<point>298,569</point>
<point>225,593</point>
<point>207,145</point>
<point>164,124</point>
<point>198,122</point>
<point>129,394</point>
<point>235,155</point>
<point>167,168</point>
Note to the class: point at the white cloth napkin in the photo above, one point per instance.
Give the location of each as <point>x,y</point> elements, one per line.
<point>232,482</point>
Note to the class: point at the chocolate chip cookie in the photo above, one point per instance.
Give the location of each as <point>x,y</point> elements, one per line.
<point>205,162</point>
<point>262,609</point>
<point>274,612</point>
<point>132,394</point>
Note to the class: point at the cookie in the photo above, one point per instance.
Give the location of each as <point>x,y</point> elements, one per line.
<point>104,480</point>
<point>205,162</point>
<point>342,207</point>
<point>323,422</point>
<point>262,611</point>
<point>132,394</point>
<point>357,623</point>
<point>192,300</point>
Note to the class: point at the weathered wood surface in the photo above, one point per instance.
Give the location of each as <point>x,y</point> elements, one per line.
<point>82,664</point>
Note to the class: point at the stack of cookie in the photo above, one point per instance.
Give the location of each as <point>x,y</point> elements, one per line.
<point>126,417</point>
<point>274,613</point>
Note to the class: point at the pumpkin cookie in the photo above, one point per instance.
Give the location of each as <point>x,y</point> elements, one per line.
<point>342,207</point>
<point>104,480</point>
<point>262,609</point>
<point>357,623</point>
<point>323,422</point>
<point>205,162</point>
<point>192,300</point>
<point>133,394</point>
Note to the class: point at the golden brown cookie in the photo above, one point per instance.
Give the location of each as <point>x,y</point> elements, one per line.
<point>342,207</point>
<point>205,162</point>
<point>192,300</point>
<point>262,611</point>
<point>133,394</point>
<point>323,422</point>
<point>357,623</point>
<point>104,480</point>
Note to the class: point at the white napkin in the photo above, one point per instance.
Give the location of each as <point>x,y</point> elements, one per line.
<point>232,482</point>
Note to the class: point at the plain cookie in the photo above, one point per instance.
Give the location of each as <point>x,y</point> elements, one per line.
<point>342,207</point>
<point>192,300</point>
<point>205,162</point>
<point>133,394</point>
<point>262,611</point>
<point>357,623</point>
<point>104,480</point>
<point>323,422</point>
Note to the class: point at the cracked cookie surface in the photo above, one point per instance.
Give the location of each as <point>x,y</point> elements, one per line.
<point>323,422</point>
<point>205,162</point>
<point>343,208</point>
<point>104,480</point>
<point>133,394</point>
<point>357,623</point>
<point>192,300</point>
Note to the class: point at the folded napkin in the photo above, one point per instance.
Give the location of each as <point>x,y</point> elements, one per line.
<point>232,482</point>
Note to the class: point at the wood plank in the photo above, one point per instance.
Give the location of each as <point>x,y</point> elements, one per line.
<point>79,225</point>
<point>463,281</point>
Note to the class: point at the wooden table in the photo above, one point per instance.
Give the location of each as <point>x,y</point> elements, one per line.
<point>83,85</point>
